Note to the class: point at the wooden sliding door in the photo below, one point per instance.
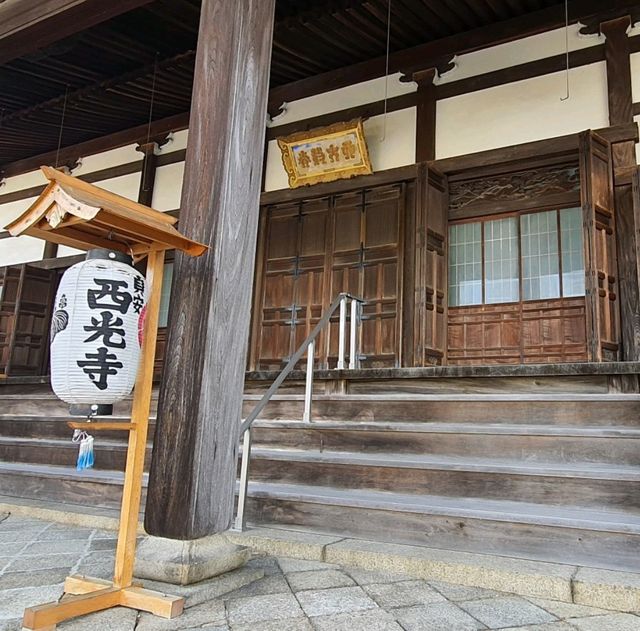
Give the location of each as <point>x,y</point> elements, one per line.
<point>312,250</point>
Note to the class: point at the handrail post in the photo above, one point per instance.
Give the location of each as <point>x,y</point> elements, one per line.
<point>308,391</point>
<point>353,341</point>
<point>343,326</point>
<point>309,346</point>
<point>244,480</point>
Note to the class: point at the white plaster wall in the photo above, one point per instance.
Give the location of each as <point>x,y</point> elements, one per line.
<point>177,141</point>
<point>126,185</point>
<point>16,250</point>
<point>635,76</point>
<point>21,249</point>
<point>168,186</point>
<point>10,211</point>
<point>20,182</point>
<point>519,52</point>
<point>390,145</point>
<point>108,159</point>
<point>522,111</point>
<point>336,100</point>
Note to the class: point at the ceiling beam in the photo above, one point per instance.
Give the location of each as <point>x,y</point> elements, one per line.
<point>30,25</point>
<point>431,53</point>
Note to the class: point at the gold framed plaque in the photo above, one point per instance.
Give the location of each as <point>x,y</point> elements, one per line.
<point>325,154</point>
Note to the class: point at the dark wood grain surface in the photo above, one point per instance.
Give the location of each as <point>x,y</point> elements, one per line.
<point>618,62</point>
<point>192,475</point>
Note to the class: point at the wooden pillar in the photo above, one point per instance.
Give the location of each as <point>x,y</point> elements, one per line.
<point>50,250</point>
<point>193,472</point>
<point>148,173</point>
<point>617,53</point>
<point>425,115</point>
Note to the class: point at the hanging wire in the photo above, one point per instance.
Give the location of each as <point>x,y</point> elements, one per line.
<point>566,37</point>
<point>64,111</point>
<point>153,96</point>
<point>151,104</point>
<point>386,72</point>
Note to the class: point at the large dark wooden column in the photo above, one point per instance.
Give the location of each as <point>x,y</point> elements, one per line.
<point>192,477</point>
<point>617,53</point>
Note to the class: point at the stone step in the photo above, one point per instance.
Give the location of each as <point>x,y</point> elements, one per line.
<point>604,539</point>
<point>594,486</point>
<point>528,443</point>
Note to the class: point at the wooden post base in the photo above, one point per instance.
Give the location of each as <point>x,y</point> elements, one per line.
<point>88,595</point>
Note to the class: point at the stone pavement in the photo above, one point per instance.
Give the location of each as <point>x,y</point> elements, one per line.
<point>272,594</point>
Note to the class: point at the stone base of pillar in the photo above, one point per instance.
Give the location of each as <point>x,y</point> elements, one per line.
<point>185,562</point>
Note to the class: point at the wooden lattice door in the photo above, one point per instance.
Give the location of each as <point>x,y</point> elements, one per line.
<point>291,282</point>
<point>25,313</point>
<point>365,262</point>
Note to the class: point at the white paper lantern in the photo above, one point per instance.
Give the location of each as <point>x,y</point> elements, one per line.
<point>96,330</point>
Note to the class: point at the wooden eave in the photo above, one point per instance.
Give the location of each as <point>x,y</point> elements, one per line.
<point>105,76</point>
<point>96,218</point>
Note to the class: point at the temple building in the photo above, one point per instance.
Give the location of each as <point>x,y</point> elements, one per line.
<point>464,173</point>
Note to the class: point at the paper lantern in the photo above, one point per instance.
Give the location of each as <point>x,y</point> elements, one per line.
<point>95,342</point>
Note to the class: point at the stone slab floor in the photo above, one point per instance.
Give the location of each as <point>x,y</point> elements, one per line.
<point>288,595</point>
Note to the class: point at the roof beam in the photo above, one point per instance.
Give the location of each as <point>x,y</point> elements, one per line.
<point>30,25</point>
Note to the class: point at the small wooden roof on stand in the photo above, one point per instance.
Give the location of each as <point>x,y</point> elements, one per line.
<point>75,213</point>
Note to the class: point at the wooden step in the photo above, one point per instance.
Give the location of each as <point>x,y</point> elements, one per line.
<point>582,485</point>
<point>608,539</point>
<point>34,426</point>
<point>48,405</point>
<point>109,454</point>
<point>528,443</point>
<point>96,488</point>
<point>562,409</point>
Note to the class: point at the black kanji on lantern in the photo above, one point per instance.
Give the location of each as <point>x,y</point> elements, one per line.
<point>138,295</point>
<point>99,366</point>
<point>112,294</point>
<point>108,328</point>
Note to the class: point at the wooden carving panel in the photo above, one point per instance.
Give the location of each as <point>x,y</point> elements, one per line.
<point>520,185</point>
<point>532,332</point>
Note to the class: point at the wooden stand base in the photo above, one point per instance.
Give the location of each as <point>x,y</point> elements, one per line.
<point>87,595</point>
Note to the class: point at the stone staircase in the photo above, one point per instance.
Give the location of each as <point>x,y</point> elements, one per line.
<point>544,475</point>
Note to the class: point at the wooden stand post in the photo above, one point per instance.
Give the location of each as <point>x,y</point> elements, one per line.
<point>96,218</point>
<point>87,595</point>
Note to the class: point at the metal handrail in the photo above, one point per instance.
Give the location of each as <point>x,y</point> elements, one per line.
<point>308,344</point>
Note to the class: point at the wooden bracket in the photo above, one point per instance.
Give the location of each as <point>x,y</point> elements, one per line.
<point>101,426</point>
<point>89,595</point>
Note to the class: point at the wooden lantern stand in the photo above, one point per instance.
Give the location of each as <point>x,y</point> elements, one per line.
<point>74,213</point>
